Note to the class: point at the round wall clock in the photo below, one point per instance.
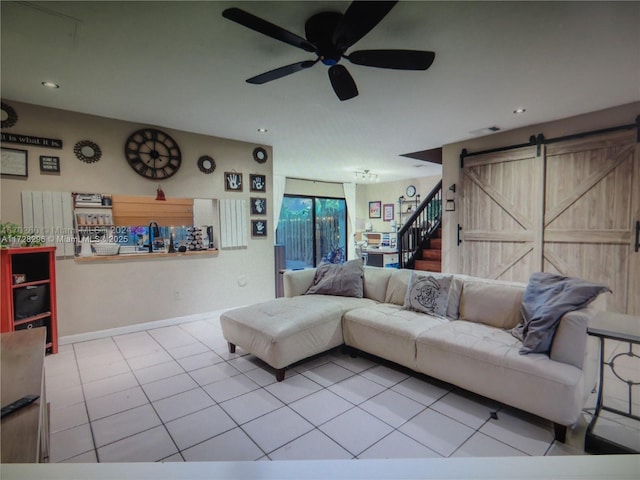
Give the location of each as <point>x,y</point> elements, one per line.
<point>8,115</point>
<point>152,153</point>
<point>206,164</point>
<point>260,155</point>
<point>87,151</point>
<point>411,191</point>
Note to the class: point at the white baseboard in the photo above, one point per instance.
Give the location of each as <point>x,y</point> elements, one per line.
<point>84,337</point>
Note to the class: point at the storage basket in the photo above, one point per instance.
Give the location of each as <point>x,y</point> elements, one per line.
<point>106,248</point>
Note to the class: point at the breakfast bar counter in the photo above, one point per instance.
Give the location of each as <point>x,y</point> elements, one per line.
<point>123,257</point>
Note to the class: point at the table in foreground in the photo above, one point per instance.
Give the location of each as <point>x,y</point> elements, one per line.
<point>610,435</point>
<point>24,433</point>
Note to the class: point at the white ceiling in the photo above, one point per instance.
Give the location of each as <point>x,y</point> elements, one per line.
<point>182,65</point>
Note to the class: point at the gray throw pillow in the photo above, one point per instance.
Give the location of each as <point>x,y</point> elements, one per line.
<point>428,293</point>
<point>345,280</point>
<point>546,299</point>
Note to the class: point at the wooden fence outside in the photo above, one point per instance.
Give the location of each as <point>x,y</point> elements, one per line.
<point>296,233</point>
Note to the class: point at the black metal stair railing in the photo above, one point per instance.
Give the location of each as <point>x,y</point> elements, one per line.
<point>419,228</point>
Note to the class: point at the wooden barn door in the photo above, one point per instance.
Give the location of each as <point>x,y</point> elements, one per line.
<point>571,210</point>
<point>592,203</point>
<point>502,214</point>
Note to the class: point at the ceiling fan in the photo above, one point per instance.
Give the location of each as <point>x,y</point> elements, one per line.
<point>329,36</point>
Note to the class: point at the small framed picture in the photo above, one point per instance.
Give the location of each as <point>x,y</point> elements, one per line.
<point>233,181</point>
<point>387,212</point>
<point>14,162</point>
<point>258,228</point>
<point>49,164</point>
<point>258,206</point>
<point>258,183</point>
<point>375,209</point>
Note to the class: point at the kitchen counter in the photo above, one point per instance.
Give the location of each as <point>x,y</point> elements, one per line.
<point>146,256</point>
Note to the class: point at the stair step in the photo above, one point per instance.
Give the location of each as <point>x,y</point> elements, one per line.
<point>436,243</point>
<point>428,266</point>
<point>430,254</point>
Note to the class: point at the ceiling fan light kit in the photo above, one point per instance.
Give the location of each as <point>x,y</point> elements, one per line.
<point>366,176</point>
<point>329,36</point>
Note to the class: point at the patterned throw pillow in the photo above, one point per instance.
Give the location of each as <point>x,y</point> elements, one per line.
<point>428,293</point>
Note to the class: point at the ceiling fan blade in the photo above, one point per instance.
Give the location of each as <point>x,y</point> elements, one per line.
<point>396,59</point>
<point>266,28</point>
<point>281,72</point>
<point>342,82</point>
<point>358,20</point>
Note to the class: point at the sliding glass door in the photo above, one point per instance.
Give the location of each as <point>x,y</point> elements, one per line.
<point>313,230</point>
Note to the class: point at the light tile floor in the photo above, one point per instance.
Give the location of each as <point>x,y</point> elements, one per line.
<point>176,394</point>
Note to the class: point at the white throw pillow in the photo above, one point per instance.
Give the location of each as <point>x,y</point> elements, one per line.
<point>428,293</point>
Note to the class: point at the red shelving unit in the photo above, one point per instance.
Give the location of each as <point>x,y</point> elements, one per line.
<point>32,303</point>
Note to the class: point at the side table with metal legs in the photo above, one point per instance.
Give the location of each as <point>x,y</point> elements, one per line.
<point>616,437</point>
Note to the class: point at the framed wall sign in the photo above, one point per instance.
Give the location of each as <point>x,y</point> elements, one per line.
<point>49,164</point>
<point>232,181</point>
<point>258,206</point>
<point>14,162</point>
<point>258,228</point>
<point>375,209</point>
<point>28,140</point>
<point>387,212</point>
<point>258,183</point>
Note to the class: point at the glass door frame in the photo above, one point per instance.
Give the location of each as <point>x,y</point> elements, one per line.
<point>313,199</point>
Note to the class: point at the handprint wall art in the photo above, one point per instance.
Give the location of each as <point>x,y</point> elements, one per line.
<point>258,228</point>
<point>233,181</point>
<point>258,206</point>
<point>258,183</point>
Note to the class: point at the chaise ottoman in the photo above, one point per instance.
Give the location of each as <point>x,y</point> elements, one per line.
<point>286,330</point>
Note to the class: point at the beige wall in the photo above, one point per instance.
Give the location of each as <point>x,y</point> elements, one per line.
<point>99,296</point>
<point>611,117</point>
<point>388,192</point>
<point>296,186</point>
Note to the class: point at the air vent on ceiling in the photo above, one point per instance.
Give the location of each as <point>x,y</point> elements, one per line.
<point>485,130</point>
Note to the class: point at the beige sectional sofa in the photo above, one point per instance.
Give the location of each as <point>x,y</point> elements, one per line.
<point>470,347</point>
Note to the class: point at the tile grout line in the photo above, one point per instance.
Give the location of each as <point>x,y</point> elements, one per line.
<point>227,361</point>
<point>86,406</point>
<point>162,422</point>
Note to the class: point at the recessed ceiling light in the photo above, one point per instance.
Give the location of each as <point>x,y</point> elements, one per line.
<point>263,130</point>
<point>50,85</point>
<point>519,110</point>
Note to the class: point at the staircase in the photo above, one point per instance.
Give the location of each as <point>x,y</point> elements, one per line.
<point>429,258</point>
<point>420,238</point>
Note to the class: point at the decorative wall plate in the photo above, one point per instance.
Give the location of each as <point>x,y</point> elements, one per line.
<point>206,164</point>
<point>152,154</point>
<point>87,151</point>
<point>260,155</point>
<point>8,115</point>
